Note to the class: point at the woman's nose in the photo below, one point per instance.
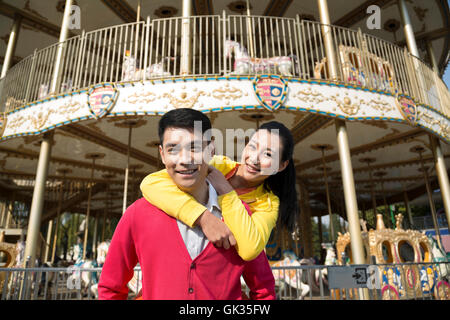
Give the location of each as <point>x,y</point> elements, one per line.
<point>254,158</point>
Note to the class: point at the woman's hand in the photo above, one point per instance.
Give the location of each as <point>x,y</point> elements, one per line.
<point>218,181</point>
<point>216,230</point>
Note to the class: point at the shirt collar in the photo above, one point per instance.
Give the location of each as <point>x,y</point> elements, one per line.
<point>212,199</point>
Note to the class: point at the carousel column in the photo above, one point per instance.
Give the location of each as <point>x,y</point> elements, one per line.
<point>12,43</point>
<point>344,150</point>
<point>57,71</point>
<point>381,174</point>
<point>408,209</point>
<point>94,241</point>
<point>372,191</point>
<point>130,124</point>
<point>328,39</point>
<point>185,65</point>
<point>351,205</point>
<point>411,43</point>
<point>44,156</point>
<point>322,148</point>
<point>408,29</point>
<point>441,171</point>
<point>58,213</point>
<point>363,211</point>
<point>439,160</point>
<point>3,215</point>
<point>37,202</point>
<point>319,225</point>
<point>419,149</point>
<point>93,156</point>
<point>48,241</point>
<point>9,214</point>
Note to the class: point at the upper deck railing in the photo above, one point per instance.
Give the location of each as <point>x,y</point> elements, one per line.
<point>221,46</point>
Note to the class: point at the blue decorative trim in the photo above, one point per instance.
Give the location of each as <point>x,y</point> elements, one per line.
<point>221,109</point>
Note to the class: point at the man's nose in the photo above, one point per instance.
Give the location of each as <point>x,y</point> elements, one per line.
<point>186,157</point>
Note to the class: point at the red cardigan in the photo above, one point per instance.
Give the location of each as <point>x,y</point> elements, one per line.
<point>148,235</point>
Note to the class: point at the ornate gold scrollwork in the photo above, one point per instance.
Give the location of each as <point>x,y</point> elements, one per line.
<point>227,93</point>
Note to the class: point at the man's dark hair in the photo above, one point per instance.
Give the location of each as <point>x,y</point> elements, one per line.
<point>182,118</point>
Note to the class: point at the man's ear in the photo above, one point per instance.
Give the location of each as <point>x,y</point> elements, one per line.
<point>161,153</point>
<point>283,165</point>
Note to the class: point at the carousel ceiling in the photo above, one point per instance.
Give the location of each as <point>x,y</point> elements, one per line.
<point>40,27</point>
<point>388,146</point>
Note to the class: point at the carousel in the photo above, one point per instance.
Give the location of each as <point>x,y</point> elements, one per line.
<point>84,84</point>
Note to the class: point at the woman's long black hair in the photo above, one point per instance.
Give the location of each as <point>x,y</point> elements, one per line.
<point>283,183</point>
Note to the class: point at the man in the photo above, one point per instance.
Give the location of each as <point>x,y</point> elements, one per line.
<point>178,262</point>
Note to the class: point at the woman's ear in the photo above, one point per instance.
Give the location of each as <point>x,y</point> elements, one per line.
<point>283,165</point>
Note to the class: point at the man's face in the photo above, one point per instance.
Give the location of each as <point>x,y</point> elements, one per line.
<point>186,156</point>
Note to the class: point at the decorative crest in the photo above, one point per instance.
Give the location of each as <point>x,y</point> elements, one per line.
<point>101,99</point>
<point>271,91</point>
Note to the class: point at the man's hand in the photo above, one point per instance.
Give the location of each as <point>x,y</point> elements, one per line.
<point>216,230</point>
<point>218,181</point>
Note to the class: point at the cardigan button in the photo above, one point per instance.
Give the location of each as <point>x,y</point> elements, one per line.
<point>193,266</point>
<point>191,290</point>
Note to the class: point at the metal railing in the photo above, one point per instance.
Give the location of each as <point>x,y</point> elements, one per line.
<point>426,222</point>
<point>408,281</point>
<point>220,46</point>
<point>53,283</point>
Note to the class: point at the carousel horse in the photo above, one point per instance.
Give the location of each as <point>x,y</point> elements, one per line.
<point>244,64</point>
<point>330,260</point>
<point>102,250</point>
<point>86,279</point>
<point>130,71</point>
<point>439,256</point>
<point>135,284</point>
<point>291,277</point>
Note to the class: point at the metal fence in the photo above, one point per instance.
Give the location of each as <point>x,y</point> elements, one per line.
<point>426,222</point>
<point>70,283</point>
<point>220,46</point>
<point>407,281</point>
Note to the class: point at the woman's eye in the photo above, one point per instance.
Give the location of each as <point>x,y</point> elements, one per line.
<point>268,154</point>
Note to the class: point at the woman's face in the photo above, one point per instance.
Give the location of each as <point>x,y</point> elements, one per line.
<point>261,157</point>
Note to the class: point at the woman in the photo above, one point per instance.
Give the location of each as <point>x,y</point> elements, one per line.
<point>265,180</point>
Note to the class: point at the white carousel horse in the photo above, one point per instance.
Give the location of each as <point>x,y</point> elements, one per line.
<point>244,64</point>
<point>330,260</point>
<point>130,71</point>
<point>20,254</point>
<point>291,277</point>
<point>86,279</point>
<point>135,284</point>
<point>102,250</point>
<point>439,256</point>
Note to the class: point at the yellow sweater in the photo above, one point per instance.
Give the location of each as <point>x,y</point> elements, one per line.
<point>251,232</point>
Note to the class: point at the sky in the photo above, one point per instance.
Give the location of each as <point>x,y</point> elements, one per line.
<point>446,77</point>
